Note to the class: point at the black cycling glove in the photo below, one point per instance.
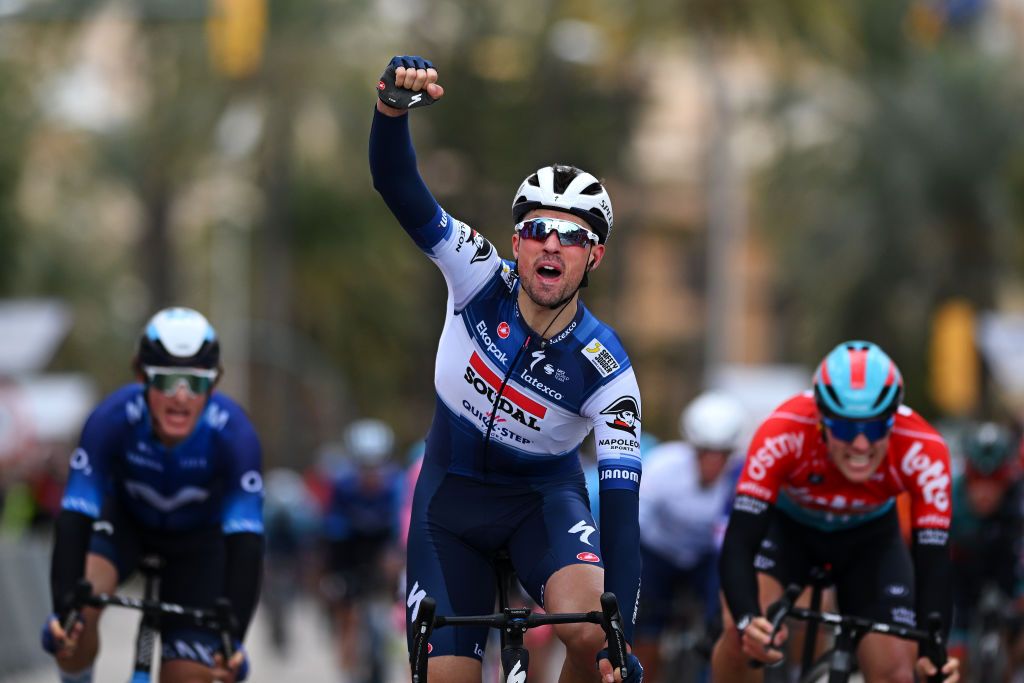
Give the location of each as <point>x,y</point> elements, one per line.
<point>403,98</point>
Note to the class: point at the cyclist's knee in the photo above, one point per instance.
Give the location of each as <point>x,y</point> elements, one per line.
<point>582,641</point>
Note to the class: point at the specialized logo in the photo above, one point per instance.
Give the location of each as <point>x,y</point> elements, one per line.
<point>416,98</point>
<point>538,356</point>
<point>932,477</point>
<point>626,414</point>
<point>771,451</point>
<point>516,675</point>
<point>588,557</point>
<point>504,330</point>
<point>416,595</point>
<point>513,403</point>
<point>584,530</point>
<point>600,357</point>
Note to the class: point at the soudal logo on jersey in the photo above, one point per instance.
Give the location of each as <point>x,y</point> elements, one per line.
<point>588,557</point>
<point>514,403</point>
<point>626,414</point>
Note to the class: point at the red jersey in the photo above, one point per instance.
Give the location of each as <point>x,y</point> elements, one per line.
<point>788,456</point>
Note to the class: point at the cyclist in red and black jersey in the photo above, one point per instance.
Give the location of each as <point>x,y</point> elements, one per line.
<point>819,487</point>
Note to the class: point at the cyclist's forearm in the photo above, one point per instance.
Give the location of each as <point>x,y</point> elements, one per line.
<point>932,576</point>
<point>72,532</point>
<point>748,524</point>
<point>620,547</point>
<point>242,576</point>
<point>395,176</point>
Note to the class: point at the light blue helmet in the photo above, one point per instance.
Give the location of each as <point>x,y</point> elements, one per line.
<point>858,381</point>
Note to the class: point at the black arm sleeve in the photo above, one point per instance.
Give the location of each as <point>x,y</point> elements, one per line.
<point>244,570</point>
<point>932,576</point>
<point>748,524</point>
<point>71,535</point>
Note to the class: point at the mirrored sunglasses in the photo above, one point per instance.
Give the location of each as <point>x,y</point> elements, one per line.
<point>848,430</point>
<point>167,380</point>
<point>569,234</point>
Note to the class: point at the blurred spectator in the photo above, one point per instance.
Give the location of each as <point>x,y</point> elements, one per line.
<point>684,499</point>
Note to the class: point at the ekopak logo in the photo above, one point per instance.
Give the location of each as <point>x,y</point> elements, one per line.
<point>588,557</point>
<point>504,330</point>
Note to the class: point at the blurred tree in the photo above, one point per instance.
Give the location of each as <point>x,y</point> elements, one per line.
<point>891,193</point>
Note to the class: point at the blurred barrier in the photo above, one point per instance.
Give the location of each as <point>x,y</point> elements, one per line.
<point>24,602</point>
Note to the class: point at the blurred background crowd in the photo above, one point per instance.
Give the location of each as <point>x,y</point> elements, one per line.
<point>785,175</point>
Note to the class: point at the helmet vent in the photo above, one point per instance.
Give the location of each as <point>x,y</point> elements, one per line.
<point>592,189</point>
<point>532,180</point>
<point>832,393</point>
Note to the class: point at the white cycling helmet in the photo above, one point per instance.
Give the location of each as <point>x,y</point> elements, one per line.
<point>713,421</point>
<point>566,188</point>
<point>369,442</point>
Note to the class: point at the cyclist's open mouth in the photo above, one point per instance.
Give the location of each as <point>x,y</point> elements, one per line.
<point>859,462</point>
<point>549,272</point>
<point>177,417</point>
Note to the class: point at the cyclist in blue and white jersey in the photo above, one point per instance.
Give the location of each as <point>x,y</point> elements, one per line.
<point>166,466</point>
<point>524,372</point>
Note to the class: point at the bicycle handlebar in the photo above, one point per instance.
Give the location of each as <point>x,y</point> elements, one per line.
<point>934,646</point>
<point>220,619</point>
<point>427,620</point>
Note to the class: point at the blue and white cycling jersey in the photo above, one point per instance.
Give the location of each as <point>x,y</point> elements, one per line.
<point>211,478</point>
<point>557,391</point>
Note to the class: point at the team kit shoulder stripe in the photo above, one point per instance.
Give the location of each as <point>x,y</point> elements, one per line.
<point>916,434</point>
<point>794,417</point>
<point>437,230</point>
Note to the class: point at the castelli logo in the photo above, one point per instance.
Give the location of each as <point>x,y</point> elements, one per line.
<point>588,557</point>
<point>504,330</point>
<point>430,648</point>
<point>380,85</point>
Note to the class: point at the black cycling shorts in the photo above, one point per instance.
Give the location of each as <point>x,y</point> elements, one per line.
<point>192,575</point>
<point>871,567</point>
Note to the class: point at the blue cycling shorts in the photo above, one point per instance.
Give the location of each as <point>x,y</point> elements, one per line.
<point>457,526</point>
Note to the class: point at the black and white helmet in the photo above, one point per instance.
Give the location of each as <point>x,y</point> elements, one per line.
<point>179,337</point>
<point>566,188</point>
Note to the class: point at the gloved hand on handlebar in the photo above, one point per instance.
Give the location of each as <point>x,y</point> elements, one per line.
<point>52,636</point>
<point>238,664</point>
<point>634,672</point>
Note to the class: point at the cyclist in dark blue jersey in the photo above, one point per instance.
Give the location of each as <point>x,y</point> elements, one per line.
<point>524,373</point>
<point>165,466</point>
<point>360,530</point>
